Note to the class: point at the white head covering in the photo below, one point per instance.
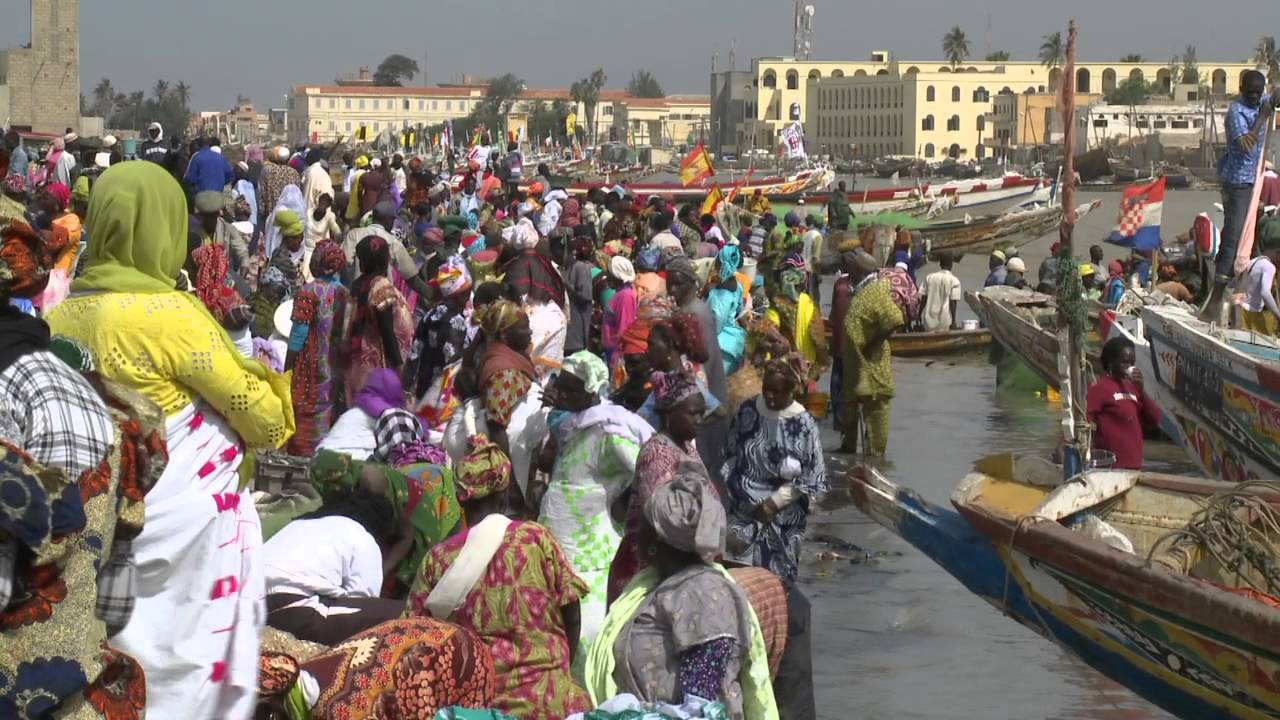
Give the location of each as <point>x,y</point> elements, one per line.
<point>622,269</point>
<point>1016,265</point>
<point>522,236</point>
<point>375,163</point>
<point>109,141</point>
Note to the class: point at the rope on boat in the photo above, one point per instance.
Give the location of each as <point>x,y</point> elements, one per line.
<point>1239,529</point>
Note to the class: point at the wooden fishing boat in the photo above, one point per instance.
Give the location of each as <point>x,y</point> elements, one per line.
<point>1025,323</point>
<point>1087,565</point>
<point>959,193</point>
<point>1221,389</point>
<point>943,342</point>
<point>1013,228</point>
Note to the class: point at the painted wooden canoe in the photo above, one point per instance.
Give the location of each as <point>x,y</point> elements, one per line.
<point>1222,388</point>
<point>943,342</point>
<point>1025,322</point>
<point>1013,228</point>
<point>1183,639</point>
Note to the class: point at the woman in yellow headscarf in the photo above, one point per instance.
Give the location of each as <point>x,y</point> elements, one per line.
<point>199,613</point>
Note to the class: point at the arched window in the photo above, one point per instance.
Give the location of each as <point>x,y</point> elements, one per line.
<point>859,73</point>
<point>953,124</point>
<point>814,74</point>
<point>1083,80</point>
<point>1219,82</point>
<point>1055,78</point>
<point>1164,79</point>
<point>837,73</point>
<point>955,93</point>
<point>1029,91</point>
<point>1006,90</point>
<point>770,79</point>
<point>912,70</point>
<point>882,71</point>
<point>927,123</point>
<point>955,150</point>
<point>928,150</point>
<point>1108,80</point>
<point>1136,74</point>
<point>929,94</point>
<point>981,95</point>
<point>793,80</point>
<point>981,123</point>
<point>945,68</point>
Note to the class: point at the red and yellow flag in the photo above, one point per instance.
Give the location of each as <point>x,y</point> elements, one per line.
<point>737,187</point>
<point>696,166</point>
<point>714,198</point>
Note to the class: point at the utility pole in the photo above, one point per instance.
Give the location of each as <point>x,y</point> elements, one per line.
<point>802,44</point>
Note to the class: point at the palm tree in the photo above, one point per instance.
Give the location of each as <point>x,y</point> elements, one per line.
<point>1268,57</point>
<point>1190,68</point>
<point>182,93</point>
<point>587,92</point>
<point>161,90</point>
<point>1052,51</point>
<point>104,99</point>
<point>955,46</point>
<point>998,56</point>
<point>1132,58</point>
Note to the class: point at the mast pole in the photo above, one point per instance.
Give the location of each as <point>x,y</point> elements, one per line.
<point>1071,361</point>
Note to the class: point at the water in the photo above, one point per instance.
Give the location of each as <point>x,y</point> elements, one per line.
<point>899,637</point>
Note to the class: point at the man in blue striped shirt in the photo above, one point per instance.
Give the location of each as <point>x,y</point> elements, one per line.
<point>1238,167</point>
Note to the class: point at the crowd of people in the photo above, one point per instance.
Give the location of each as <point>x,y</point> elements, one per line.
<point>556,448</point>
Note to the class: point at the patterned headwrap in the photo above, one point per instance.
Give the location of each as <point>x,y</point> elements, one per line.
<point>671,389</point>
<point>792,366</point>
<point>688,516</point>
<point>589,368</point>
<point>498,316</point>
<point>24,261</point>
<point>522,236</point>
<point>484,471</point>
<point>60,193</point>
<point>328,259</point>
<point>653,310</point>
<point>13,183</point>
<point>211,281</point>
<point>394,428</point>
<point>453,277</point>
<point>681,265</point>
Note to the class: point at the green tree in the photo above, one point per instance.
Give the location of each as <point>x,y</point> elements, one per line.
<point>491,111</point>
<point>955,46</point>
<point>104,97</point>
<point>1265,54</point>
<point>1190,67</point>
<point>1133,91</point>
<point>160,90</point>
<point>644,85</point>
<point>547,120</point>
<point>587,92</point>
<point>1174,69</point>
<point>1052,51</point>
<point>1132,58</point>
<point>998,56</point>
<point>394,70</point>
<point>182,94</point>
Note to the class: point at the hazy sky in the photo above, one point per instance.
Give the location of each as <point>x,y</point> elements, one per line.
<point>262,47</point>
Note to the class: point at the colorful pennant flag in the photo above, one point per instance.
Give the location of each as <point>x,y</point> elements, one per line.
<point>696,166</point>
<point>1138,226</point>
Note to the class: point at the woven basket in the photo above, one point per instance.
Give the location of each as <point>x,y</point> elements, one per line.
<point>743,385</point>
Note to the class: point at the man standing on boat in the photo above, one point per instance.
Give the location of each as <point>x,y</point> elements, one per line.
<point>1238,169</point>
<point>839,215</point>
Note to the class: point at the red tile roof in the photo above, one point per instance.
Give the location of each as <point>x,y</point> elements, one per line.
<point>388,90</point>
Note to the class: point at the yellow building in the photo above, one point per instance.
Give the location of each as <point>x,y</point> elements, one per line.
<point>1028,120</point>
<point>780,93</point>
<point>660,122</point>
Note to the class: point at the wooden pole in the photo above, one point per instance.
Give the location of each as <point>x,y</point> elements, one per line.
<point>1071,361</point>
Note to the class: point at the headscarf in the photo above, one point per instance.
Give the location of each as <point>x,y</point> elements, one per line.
<point>453,277</point>
<point>865,262</point>
<point>730,258</point>
<point>211,281</point>
<point>792,366</point>
<point>362,162</point>
<point>671,389</point>
<point>621,268</point>
<point>25,261</point>
<point>1017,265</point>
<point>328,259</point>
<point>652,310</point>
<point>522,236</point>
<point>288,222</point>
<point>582,245</point>
<point>395,427</point>
<point>138,222</point>
<point>80,193</point>
<point>59,192</point>
<point>999,255</point>
<point>688,516</point>
<point>290,200</point>
<point>589,368</point>
<point>1115,269</point>
<point>253,154</point>
<point>681,265</point>
<point>484,471</point>
<point>497,316</point>
<point>381,392</point>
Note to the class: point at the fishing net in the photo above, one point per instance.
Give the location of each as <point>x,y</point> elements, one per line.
<point>1238,530</point>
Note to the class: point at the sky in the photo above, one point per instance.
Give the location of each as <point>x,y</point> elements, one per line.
<point>263,47</point>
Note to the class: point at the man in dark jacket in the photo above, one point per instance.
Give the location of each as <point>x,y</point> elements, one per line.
<point>154,149</point>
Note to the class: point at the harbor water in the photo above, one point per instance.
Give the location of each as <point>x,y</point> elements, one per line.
<point>897,637</point>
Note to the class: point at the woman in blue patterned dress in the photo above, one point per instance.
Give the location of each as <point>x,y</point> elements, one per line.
<point>774,471</point>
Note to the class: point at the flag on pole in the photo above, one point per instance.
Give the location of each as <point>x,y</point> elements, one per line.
<point>714,198</point>
<point>696,166</point>
<point>1138,226</point>
<point>737,187</point>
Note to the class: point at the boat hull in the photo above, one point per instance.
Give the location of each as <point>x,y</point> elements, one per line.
<point>931,344</point>
<point>1189,671</point>
<point>983,235</point>
<point>1225,404</point>
<point>1036,346</point>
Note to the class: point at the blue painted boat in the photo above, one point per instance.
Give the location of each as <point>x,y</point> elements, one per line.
<point>1188,645</point>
